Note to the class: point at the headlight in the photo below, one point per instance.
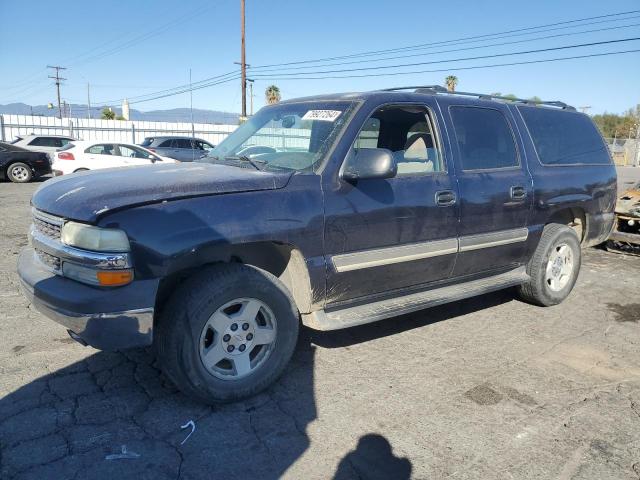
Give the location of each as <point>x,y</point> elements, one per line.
<point>97,239</point>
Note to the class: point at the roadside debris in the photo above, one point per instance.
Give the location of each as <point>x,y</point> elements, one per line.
<point>191,424</point>
<point>626,234</point>
<point>124,454</point>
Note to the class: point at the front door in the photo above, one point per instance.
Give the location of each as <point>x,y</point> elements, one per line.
<point>495,189</point>
<point>392,234</point>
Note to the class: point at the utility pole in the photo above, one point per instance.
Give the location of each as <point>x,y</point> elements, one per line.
<point>243,63</point>
<point>58,79</point>
<point>250,96</point>
<point>193,133</point>
<point>88,102</point>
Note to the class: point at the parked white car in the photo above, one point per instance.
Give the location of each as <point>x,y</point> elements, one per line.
<point>48,144</point>
<point>85,155</point>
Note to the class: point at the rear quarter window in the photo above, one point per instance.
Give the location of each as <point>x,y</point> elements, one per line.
<point>565,138</point>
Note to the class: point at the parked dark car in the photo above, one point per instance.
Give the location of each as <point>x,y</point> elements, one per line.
<point>21,165</point>
<point>185,149</point>
<point>338,210</point>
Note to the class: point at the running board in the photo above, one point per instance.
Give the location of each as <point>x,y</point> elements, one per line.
<point>379,310</point>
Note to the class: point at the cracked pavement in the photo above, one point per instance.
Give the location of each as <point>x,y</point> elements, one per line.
<point>485,388</point>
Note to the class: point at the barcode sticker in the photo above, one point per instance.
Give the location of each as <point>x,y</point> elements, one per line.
<point>322,115</point>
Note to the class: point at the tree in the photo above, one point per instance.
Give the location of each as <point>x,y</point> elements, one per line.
<point>272,94</point>
<point>107,114</point>
<point>510,96</point>
<point>536,99</point>
<point>120,117</point>
<point>451,82</point>
<point>613,125</point>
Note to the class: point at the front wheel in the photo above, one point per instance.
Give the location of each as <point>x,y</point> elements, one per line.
<point>554,267</point>
<point>19,173</point>
<point>227,333</point>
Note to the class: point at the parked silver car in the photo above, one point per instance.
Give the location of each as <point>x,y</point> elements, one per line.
<point>185,149</point>
<point>43,143</point>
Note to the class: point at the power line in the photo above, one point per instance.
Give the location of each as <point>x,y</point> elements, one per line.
<point>187,90</point>
<point>454,69</point>
<point>444,42</point>
<point>178,87</point>
<point>415,64</point>
<point>208,82</point>
<point>546,37</point>
<point>139,38</point>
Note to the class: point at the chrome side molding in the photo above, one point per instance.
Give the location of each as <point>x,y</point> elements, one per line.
<point>346,262</point>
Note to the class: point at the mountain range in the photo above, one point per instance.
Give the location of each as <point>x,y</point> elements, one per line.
<point>172,115</point>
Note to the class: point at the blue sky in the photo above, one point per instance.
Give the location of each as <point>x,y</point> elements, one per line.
<point>130,48</point>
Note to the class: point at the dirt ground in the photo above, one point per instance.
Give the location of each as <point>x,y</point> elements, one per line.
<point>480,389</point>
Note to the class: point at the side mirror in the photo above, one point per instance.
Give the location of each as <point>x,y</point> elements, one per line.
<point>370,163</point>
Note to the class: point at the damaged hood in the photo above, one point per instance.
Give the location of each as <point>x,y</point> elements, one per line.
<point>85,196</point>
<point>629,202</point>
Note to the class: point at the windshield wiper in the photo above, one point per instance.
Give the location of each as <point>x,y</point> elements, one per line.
<point>244,158</point>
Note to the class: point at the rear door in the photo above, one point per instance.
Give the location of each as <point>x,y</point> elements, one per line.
<point>167,148</point>
<point>102,155</point>
<point>184,149</point>
<point>494,185</point>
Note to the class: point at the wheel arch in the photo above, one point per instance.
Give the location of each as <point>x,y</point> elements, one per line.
<point>284,261</point>
<point>574,217</point>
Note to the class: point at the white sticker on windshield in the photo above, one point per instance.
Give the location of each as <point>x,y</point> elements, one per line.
<point>322,115</point>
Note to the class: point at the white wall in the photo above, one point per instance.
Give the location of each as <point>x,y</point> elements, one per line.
<point>106,130</point>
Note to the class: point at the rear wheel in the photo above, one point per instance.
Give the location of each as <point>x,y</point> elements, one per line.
<point>227,333</point>
<point>19,172</point>
<point>554,267</point>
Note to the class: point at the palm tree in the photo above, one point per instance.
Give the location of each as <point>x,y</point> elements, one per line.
<point>272,94</point>
<point>451,81</point>
<point>108,114</point>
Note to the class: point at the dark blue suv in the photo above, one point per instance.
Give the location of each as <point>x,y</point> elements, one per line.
<point>332,211</point>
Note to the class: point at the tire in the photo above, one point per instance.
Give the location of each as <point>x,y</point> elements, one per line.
<point>554,267</point>
<point>194,326</point>
<point>19,173</point>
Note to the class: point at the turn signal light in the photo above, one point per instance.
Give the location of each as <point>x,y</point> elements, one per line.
<point>66,156</point>
<point>114,278</point>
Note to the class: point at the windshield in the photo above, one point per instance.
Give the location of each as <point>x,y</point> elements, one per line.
<point>292,136</point>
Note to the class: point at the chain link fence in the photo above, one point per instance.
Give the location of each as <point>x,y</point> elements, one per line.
<point>625,151</point>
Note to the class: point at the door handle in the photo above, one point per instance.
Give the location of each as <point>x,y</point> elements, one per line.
<point>518,192</point>
<point>445,198</point>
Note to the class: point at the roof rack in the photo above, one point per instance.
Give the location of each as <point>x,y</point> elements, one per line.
<point>435,89</point>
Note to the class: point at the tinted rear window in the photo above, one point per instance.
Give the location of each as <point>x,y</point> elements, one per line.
<point>564,138</point>
<point>45,142</point>
<point>485,140</point>
<point>182,143</point>
<point>147,142</point>
<point>166,144</point>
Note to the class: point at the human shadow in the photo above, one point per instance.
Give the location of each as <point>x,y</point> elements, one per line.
<point>373,459</point>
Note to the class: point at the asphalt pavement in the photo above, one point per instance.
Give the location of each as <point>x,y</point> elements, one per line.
<point>480,389</point>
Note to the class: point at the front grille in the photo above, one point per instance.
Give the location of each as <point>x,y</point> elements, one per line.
<point>47,225</point>
<point>50,261</point>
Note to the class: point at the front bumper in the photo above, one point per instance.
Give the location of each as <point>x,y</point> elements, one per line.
<point>105,318</point>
